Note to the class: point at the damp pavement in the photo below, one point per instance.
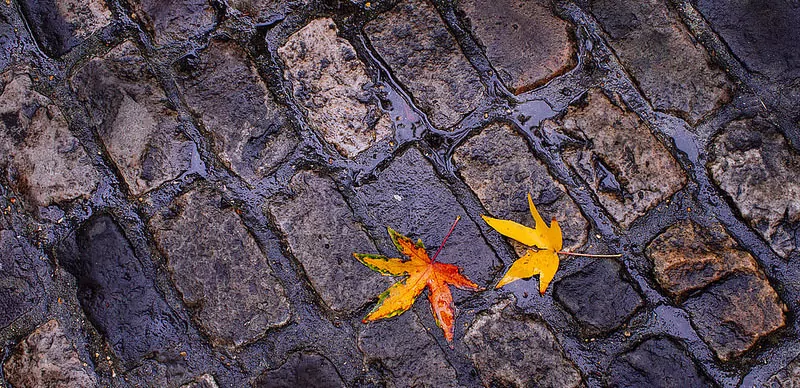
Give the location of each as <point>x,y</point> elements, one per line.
<point>184,183</point>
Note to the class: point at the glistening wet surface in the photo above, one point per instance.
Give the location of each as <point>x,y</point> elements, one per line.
<point>184,183</point>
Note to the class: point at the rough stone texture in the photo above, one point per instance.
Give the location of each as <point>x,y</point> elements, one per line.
<point>115,292</point>
<point>406,352</point>
<point>498,166</point>
<point>788,377</point>
<point>658,363</point>
<point>623,163</point>
<point>9,42</point>
<point>46,358</point>
<point>688,257</point>
<point>177,20</point>
<point>38,154</point>
<point>259,9</point>
<point>414,41</point>
<point>598,297</point>
<point>732,315</point>
<point>60,25</point>
<point>510,349</point>
<point>22,276</point>
<point>203,381</point>
<point>301,370</point>
<point>393,200</point>
<point>323,235</point>
<point>765,39</point>
<point>218,266</point>
<point>332,84</point>
<point>673,70</point>
<point>249,131</point>
<point>128,107</point>
<point>750,160</point>
<point>523,40</point>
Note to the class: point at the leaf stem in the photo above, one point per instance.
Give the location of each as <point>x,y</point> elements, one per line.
<point>589,255</point>
<point>445,239</point>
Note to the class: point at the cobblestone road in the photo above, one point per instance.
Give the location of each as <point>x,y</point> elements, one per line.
<point>184,183</point>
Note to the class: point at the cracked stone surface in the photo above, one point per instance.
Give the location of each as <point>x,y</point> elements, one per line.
<point>672,69</point>
<point>498,166</point>
<point>629,170</point>
<point>61,25</point>
<point>323,235</point>
<point>41,158</point>
<point>407,351</point>
<point>525,41</point>
<point>656,362</point>
<point>598,297</point>
<point>415,43</point>
<point>47,358</point>
<point>687,257</point>
<point>140,131</point>
<point>249,130</point>
<point>174,21</point>
<point>749,160</point>
<point>495,338</point>
<point>732,315</point>
<point>427,217</point>
<point>22,277</point>
<point>302,370</point>
<point>221,249</point>
<point>333,85</point>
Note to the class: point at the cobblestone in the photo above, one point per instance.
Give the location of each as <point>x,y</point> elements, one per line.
<point>427,217</point>
<point>203,381</point>
<point>220,249</point>
<point>415,43</point>
<point>139,130</point>
<point>183,185</point>
<point>174,21</point>
<point>249,130</point>
<point>599,298</point>
<point>405,350</point>
<point>764,38</point>
<point>308,220</point>
<point>301,370</point>
<point>656,362</point>
<point>670,67</point>
<point>749,159</point>
<point>61,25</point>
<point>42,158</point>
<point>619,158</point>
<point>46,358</point>
<point>496,340</point>
<point>688,257</point>
<point>787,377</point>
<point>22,277</point>
<point>333,85</point>
<point>498,166</point>
<point>115,291</point>
<point>732,315</point>
<point>526,43</point>
<point>9,42</point>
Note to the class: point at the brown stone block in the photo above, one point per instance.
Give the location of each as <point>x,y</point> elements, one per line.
<point>623,163</point>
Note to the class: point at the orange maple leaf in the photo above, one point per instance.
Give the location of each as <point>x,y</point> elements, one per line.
<point>420,271</point>
<point>546,242</point>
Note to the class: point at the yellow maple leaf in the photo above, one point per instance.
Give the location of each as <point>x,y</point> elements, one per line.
<point>546,243</point>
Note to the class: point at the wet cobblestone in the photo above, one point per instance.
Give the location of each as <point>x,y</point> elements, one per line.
<point>183,184</point>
